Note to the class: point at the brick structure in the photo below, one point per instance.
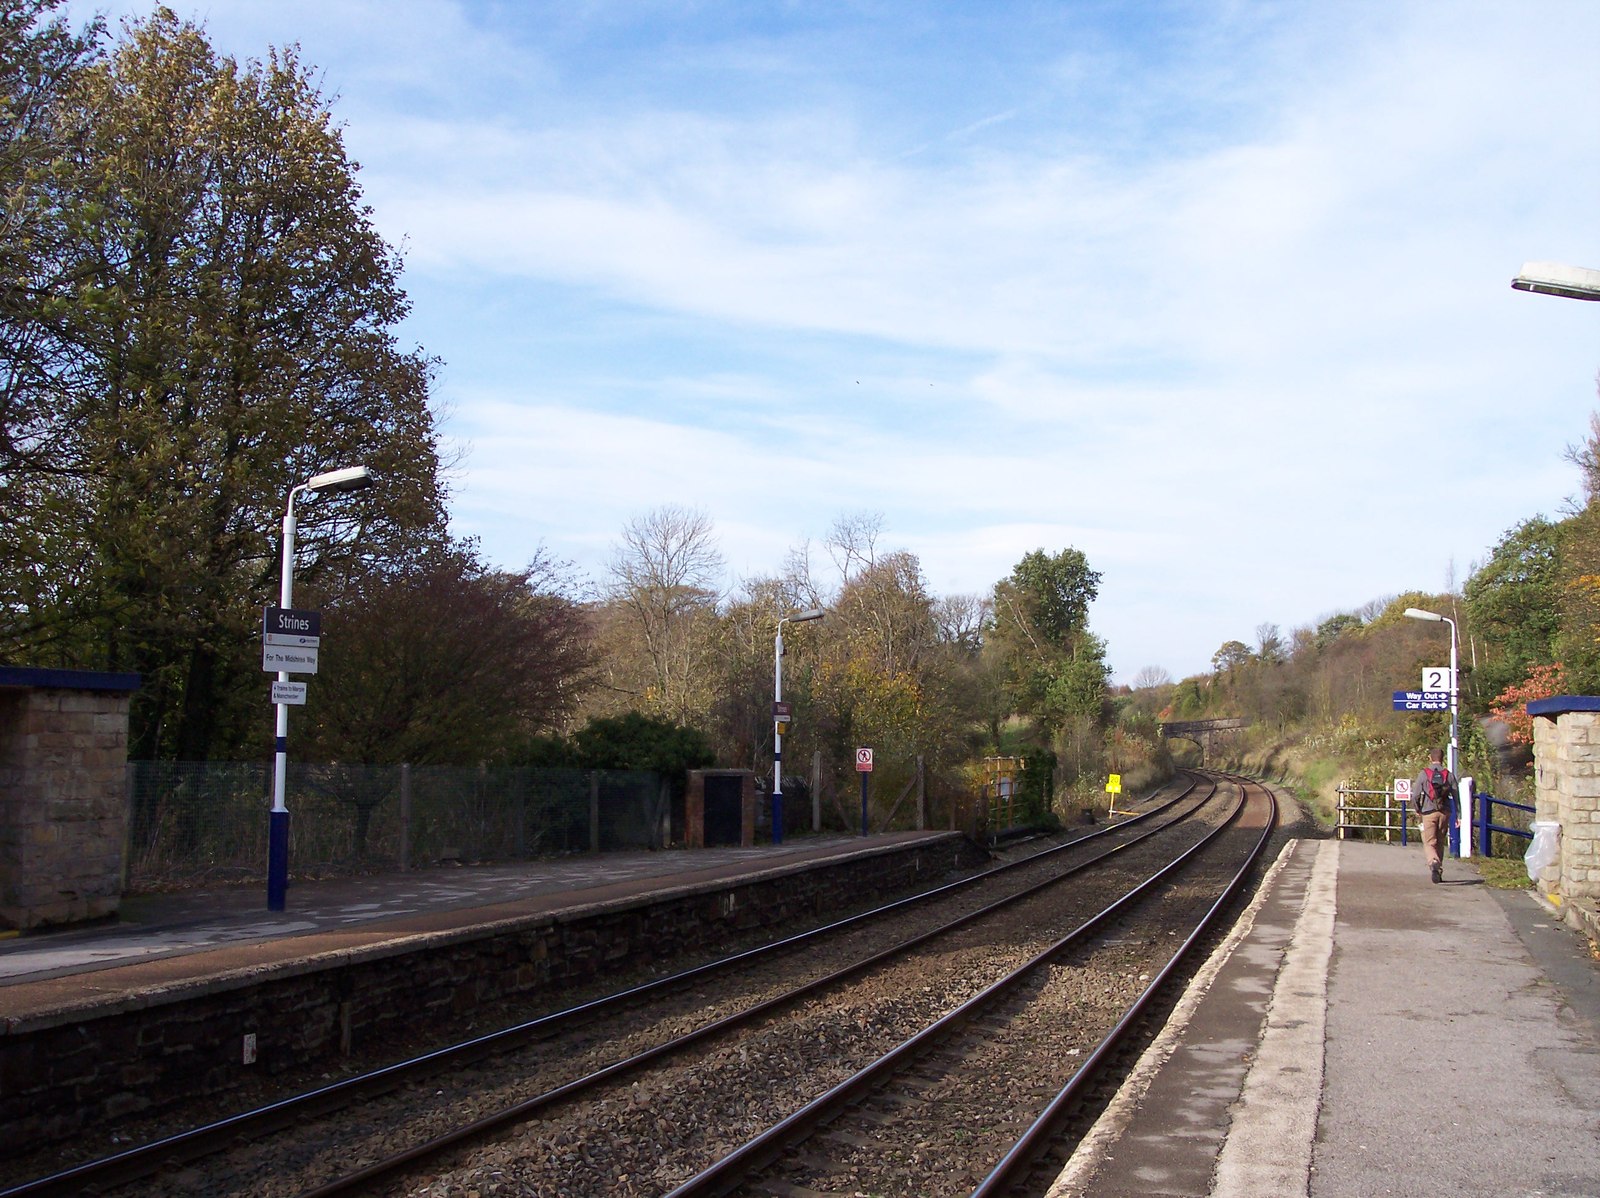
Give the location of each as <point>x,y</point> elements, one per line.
<point>694,805</point>
<point>63,794</point>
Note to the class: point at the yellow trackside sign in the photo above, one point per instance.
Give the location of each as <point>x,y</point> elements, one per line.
<point>1114,784</point>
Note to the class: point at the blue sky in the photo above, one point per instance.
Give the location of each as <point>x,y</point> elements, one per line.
<point>1216,292</point>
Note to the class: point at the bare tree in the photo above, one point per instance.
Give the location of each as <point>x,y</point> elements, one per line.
<point>666,577</point>
<point>962,620</point>
<point>852,543</point>
<point>1151,677</point>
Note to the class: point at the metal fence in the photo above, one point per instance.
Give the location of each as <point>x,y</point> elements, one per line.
<point>193,823</point>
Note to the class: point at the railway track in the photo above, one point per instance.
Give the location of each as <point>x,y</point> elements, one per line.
<point>675,1071</point>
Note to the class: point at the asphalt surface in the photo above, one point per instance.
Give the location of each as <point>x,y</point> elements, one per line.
<point>1364,1032</point>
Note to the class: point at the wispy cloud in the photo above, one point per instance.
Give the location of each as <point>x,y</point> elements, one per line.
<point>1219,297</point>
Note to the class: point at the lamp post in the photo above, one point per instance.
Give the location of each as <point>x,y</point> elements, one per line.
<point>1416,613</point>
<point>1557,278</point>
<point>350,478</point>
<point>816,613</point>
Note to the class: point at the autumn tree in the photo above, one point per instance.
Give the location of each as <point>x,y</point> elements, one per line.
<point>224,331</point>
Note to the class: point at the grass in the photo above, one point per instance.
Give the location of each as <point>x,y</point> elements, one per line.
<point>1503,873</point>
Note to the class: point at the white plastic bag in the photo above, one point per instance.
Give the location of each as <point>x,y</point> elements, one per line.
<point>1545,848</point>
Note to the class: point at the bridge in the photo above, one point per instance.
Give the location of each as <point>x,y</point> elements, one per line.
<point>1201,732</point>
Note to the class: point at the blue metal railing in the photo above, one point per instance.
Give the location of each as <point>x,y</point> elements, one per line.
<point>1487,827</point>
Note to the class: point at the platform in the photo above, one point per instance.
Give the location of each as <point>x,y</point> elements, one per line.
<point>214,929</point>
<point>1364,1032</point>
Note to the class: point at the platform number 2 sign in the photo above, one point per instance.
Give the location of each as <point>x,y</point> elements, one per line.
<point>1436,678</point>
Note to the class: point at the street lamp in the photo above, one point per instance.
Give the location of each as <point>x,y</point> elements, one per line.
<point>350,478</point>
<point>816,613</point>
<point>1416,613</point>
<point>1557,278</point>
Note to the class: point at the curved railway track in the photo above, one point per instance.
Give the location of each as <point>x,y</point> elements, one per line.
<point>603,1072</point>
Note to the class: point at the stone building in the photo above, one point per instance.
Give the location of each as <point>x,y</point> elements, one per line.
<point>63,794</point>
<point>1566,759</point>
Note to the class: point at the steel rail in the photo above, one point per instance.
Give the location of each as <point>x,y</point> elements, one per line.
<point>1035,1142</point>
<point>142,1160</point>
<point>759,1152</point>
<point>521,1111</point>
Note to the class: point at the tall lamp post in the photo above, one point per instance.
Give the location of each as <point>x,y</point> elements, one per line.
<point>351,478</point>
<point>1416,613</point>
<point>816,613</point>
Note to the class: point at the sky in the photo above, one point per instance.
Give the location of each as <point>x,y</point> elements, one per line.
<point>1215,291</point>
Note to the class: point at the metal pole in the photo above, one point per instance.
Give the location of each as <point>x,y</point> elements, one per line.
<point>278,820</point>
<point>866,776</point>
<point>1464,814</point>
<point>777,735</point>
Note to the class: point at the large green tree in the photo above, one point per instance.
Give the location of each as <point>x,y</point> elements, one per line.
<point>1041,615</point>
<point>223,320</point>
<point>1513,604</point>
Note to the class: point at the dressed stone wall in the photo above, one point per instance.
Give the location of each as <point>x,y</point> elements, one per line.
<point>63,794</point>
<point>1566,759</point>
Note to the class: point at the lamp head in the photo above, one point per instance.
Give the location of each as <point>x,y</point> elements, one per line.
<point>816,613</point>
<point>1416,613</point>
<point>350,478</point>
<point>1557,278</point>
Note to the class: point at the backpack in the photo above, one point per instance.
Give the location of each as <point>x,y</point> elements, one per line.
<point>1438,787</point>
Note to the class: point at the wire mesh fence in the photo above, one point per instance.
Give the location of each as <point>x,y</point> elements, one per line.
<point>195,823</point>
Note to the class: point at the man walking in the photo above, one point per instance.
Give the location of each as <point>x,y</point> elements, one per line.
<point>1433,794</point>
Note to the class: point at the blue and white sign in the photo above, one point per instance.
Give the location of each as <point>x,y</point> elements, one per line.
<point>1422,700</point>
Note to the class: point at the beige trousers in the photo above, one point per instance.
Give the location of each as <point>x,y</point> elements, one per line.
<point>1434,837</point>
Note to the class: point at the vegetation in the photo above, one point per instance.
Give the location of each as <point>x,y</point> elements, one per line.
<point>197,314</point>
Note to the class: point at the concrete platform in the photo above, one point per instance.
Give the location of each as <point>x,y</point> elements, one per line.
<point>167,940</point>
<point>1364,1032</point>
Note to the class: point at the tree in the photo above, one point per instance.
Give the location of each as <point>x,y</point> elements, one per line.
<point>1057,667</point>
<point>665,582</point>
<point>1269,642</point>
<point>1231,656</point>
<point>1514,604</point>
<point>1151,677</point>
<point>1045,602</point>
<point>635,741</point>
<point>447,662</point>
<point>224,331</point>
<point>40,61</point>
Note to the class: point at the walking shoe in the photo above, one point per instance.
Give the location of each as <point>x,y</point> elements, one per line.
<point>1438,873</point>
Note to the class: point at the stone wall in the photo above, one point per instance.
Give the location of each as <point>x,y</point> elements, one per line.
<point>89,1064</point>
<point>1566,759</point>
<point>63,794</point>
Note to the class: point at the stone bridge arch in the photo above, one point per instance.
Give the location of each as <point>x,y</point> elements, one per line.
<point>1203,733</point>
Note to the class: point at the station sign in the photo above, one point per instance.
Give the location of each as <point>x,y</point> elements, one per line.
<point>1422,700</point>
<point>289,659</point>
<point>290,638</point>
<point>293,693</point>
<point>292,626</point>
